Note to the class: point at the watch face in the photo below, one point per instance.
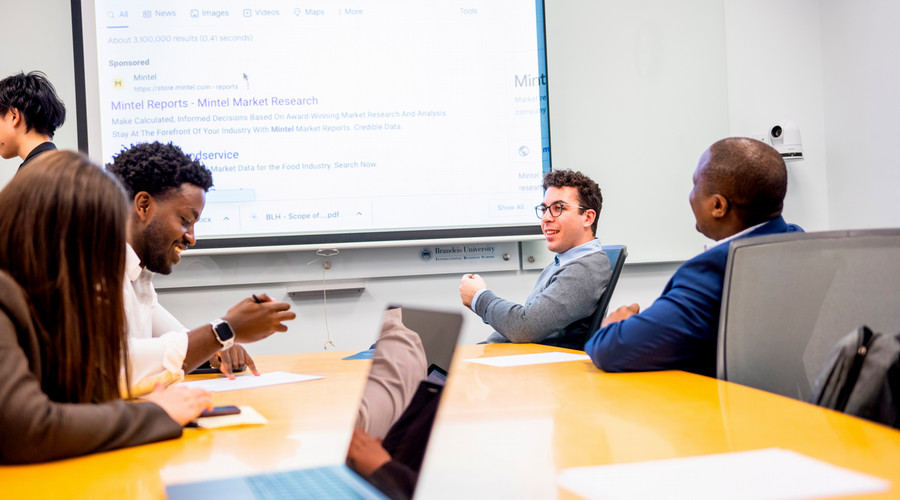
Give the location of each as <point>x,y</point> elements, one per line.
<point>223,331</point>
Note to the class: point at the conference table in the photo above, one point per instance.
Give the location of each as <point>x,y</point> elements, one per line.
<point>501,432</point>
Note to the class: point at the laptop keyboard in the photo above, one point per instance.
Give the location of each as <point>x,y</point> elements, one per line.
<point>321,482</point>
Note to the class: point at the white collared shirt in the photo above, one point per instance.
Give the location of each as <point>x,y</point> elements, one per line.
<point>732,237</point>
<point>157,341</point>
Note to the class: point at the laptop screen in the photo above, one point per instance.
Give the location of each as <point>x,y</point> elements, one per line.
<point>401,397</point>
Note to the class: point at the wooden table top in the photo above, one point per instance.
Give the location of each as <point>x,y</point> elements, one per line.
<point>500,432</point>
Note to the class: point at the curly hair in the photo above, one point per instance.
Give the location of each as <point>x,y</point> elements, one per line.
<point>33,96</point>
<point>589,195</point>
<point>158,169</point>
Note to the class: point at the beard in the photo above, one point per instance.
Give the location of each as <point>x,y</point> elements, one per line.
<point>156,249</point>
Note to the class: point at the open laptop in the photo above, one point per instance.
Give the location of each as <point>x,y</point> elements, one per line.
<point>439,333</point>
<point>439,341</point>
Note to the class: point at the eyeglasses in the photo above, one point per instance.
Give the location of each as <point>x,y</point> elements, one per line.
<point>555,208</point>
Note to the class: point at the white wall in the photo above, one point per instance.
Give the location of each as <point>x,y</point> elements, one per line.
<point>637,91</point>
<point>37,35</point>
<point>861,77</point>
<point>775,73</point>
<point>835,78</point>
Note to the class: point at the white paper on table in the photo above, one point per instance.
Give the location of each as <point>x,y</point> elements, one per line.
<point>248,381</point>
<point>768,474</point>
<point>529,359</point>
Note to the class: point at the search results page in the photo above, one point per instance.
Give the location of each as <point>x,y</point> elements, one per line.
<point>328,116</point>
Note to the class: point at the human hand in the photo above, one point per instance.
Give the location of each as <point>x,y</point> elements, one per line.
<point>620,314</point>
<point>182,404</point>
<point>366,454</point>
<point>470,284</point>
<point>256,318</point>
<point>233,360</point>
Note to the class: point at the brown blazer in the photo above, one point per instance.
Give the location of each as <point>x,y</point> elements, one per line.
<point>35,429</point>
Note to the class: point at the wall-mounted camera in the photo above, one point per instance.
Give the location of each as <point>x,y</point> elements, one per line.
<point>784,136</point>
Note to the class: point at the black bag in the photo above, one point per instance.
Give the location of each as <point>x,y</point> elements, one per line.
<point>862,377</point>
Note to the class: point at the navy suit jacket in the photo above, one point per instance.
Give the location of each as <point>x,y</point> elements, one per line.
<point>679,331</point>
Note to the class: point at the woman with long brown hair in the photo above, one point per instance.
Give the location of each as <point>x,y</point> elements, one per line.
<point>63,337</point>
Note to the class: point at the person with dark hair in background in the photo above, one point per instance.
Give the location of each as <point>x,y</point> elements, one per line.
<point>739,189</point>
<point>167,193</point>
<point>63,337</point>
<point>558,312</point>
<point>30,113</point>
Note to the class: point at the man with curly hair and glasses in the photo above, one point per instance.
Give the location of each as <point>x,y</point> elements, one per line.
<point>558,312</point>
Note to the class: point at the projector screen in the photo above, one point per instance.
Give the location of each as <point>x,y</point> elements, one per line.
<point>328,122</point>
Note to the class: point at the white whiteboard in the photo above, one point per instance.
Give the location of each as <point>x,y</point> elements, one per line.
<point>637,93</point>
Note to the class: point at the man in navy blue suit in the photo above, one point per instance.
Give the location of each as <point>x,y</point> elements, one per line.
<point>739,188</point>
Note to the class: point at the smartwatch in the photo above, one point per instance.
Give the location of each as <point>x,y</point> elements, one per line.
<point>223,332</point>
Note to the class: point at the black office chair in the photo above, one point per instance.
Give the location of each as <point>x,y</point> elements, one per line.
<point>788,298</point>
<point>616,255</point>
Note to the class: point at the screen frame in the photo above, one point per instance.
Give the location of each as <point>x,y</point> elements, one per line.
<point>85,95</point>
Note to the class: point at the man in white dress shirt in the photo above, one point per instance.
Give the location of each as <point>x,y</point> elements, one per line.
<point>168,193</point>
